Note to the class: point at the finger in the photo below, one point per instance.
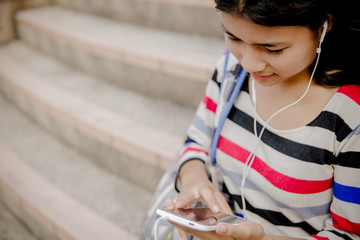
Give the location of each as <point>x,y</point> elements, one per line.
<point>184,232</point>
<point>224,206</point>
<point>208,235</point>
<point>170,204</point>
<point>183,235</point>
<point>222,229</point>
<point>210,200</point>
<point>246,230</point>
<point>208,221</point>
<point>185,200</point>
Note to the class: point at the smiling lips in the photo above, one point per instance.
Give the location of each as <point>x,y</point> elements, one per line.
<point>261,77</point>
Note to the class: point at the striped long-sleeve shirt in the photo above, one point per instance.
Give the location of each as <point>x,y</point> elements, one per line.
<point>304,182</point>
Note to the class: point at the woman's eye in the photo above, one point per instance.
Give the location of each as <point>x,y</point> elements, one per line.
<point>233,39</point>
<point>276,52</point>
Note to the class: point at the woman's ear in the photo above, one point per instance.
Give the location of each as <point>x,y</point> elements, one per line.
<point>331,20</point>
<point>326,27</point>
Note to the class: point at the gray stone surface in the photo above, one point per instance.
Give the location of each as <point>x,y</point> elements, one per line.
<point>112,197</point>
<point>156,113</point>
<point>11,228</point>
<point>194,18</point>
<point>191,30</point>
<point>167,82</point>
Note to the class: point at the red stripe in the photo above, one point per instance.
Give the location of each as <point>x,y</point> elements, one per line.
<point>344,224</point>
<point>352,91</point>
<point>209,103</point>
<point>194,150</point>
<point>319,238</point>
<point>276,178</point>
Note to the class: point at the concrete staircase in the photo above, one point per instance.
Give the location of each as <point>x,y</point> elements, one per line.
<point>95,99</point>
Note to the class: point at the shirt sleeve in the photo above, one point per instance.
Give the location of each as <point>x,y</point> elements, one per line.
<point>344,220</point>
<point>200,132</point>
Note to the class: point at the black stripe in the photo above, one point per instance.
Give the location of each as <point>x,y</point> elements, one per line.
<point>344,236</point>
<point>348,159</point>
<point>291,148</point>
<point>275,218</point>
<point>332,122</point>
<point>188,139</point>
<point>214,78</point>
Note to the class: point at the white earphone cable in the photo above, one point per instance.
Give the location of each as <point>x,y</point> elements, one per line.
<point>156,226</point>
<point>249,161</point>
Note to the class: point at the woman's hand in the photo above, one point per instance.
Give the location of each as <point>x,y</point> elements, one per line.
<point>225,231</point>
<point>196,186</point>
<point>246,231</point>
<point>242,231</point>
<point>183,231</point>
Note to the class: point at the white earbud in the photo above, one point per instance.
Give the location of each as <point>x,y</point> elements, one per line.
<point>323,34</point>
<point>325,28</point>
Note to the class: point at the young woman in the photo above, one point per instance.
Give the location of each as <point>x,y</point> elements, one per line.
<point>288,156</point>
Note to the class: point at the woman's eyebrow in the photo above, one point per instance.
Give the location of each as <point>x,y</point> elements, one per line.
<point>229,33</point>
<point>273,44</point>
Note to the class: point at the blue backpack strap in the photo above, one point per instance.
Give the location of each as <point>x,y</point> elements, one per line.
<point>227,56</point>
<point>235,92</point>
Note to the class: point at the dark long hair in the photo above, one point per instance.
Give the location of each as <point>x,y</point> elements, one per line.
<point>339,61</point>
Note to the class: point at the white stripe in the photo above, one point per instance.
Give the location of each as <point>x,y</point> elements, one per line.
<point>278,230</point>
<point>302,135</point>
<point>263,199</point>
<point>350,143</point>
<point>276,160</point>
<point>299,203</point>
<point>350,211</point>
<point>336,105</point>
<point>349,176</point>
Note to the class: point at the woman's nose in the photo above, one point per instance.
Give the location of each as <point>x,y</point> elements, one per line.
<point>251,61</point>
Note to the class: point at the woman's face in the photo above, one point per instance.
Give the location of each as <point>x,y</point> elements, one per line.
<point>272,55</point>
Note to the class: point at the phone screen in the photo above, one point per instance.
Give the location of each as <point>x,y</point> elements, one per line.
<point>202,215</point>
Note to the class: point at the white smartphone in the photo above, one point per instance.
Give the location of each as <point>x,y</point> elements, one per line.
<point>200,219</point>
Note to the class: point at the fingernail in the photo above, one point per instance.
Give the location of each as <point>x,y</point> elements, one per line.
<point>212,221</point>
<point>178,204</point>
<point>215,209</point>
<point>221,229</point>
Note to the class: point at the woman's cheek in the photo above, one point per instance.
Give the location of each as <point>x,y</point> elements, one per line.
<point>292,63</point>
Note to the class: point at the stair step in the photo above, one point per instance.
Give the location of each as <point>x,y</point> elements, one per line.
<point>110,131</point>
<point>161,64</point>
<point>156,113</point>
<point>188,16</point>
<point>57,191</point>
<point>11,228</point>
